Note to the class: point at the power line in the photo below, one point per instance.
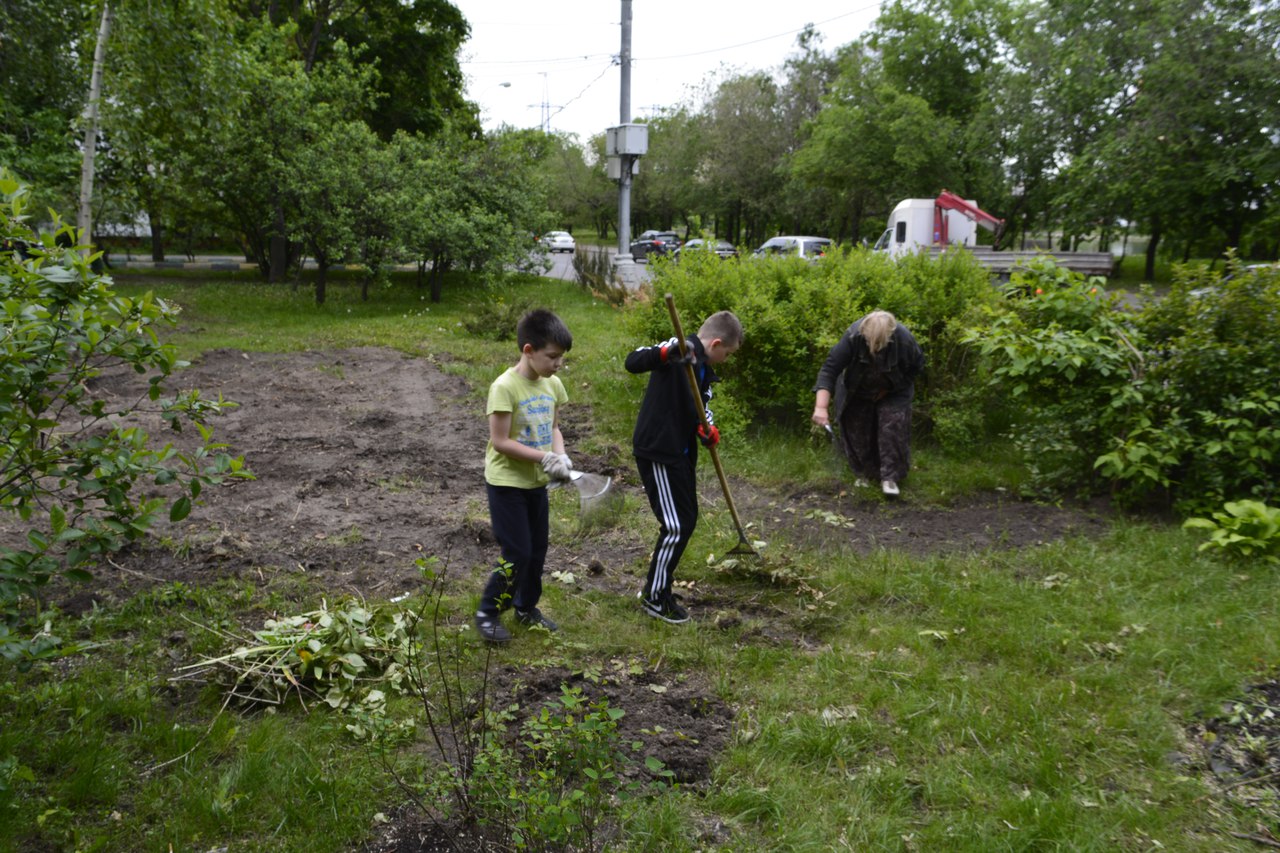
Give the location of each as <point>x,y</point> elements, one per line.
<point>612,63</point>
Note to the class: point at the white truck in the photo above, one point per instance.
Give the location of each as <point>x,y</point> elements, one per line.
<point>938,224</point>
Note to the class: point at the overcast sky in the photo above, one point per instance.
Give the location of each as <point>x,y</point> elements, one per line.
<point>529,63</point>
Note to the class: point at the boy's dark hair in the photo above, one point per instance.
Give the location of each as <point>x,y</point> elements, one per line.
<point>724,325</point>
<point>540,327</point>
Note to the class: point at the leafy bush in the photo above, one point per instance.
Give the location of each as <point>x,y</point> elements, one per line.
<point>73,470</point>
<point>794,311</point>
<point>1059,357</point>
<point>1243,529</point>
<point>1175,401</point>
<point>495,318</point>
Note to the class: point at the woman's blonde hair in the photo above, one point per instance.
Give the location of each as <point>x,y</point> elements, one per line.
<point>876,328</point>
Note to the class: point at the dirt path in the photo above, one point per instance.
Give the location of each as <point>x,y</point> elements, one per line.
<point>366,459</point>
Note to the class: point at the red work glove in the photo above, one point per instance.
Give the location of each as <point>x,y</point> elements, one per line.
<point>671,355</point>
<point>708,435</point>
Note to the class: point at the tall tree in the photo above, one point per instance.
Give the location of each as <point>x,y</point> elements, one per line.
<point>413,45</point>
<point>1165,115</point>
<point>479,203</point>
<point>84,210</point>
<point>874,144</point>
<point>948,53</point>
<point>45,48</point>
<point>746,142</point>
<point>166,59</point>
<point>251,159</point>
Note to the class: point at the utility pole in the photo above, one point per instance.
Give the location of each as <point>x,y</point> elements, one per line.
<point>624,263</point>
<point>546,105</point>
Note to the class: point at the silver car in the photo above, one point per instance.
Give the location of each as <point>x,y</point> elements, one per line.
<point>801,247</point>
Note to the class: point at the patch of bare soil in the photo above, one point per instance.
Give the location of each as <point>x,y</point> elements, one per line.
<point>366,459</point>
<point>674,716</point>
<point>1238,753</point>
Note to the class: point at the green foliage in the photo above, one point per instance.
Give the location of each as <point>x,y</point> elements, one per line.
<point>471,204</point>
<point>349,655</point>
<point>595,273</point>
<point>1177,400</point>
<point>1059,359</point>
<point>564,784</point>
<point>82,478</point>
<point>793,312</point>
<point>496,317</point>
<point>555,786</point>
<point>1242,529</point>
<point>43,76</point>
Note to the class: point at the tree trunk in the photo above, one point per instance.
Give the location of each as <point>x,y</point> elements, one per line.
<point>437,277</point>
<point>157,234</point>
<point>1150,272</point>
<point>84,215</point>
<point>322,270</point>
<point>279,251</point>
<point>1235,233</point>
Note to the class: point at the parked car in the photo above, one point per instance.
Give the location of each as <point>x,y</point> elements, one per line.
<point>655,242</point>
<point>723,248</point>
<point>1248,271</point>
<point>558,241</point>
<point>802,247</point>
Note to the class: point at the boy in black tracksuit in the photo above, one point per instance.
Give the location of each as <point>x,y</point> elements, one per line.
<point>665,443</point>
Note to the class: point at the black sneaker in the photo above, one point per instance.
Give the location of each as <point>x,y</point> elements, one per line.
<point>668,609</point>
<point>491,630</point>
<point>534,618</point>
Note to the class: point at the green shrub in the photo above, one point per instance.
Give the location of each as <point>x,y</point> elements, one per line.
<point>496,318</point>
<point>558,784</point>
<point>793,311</point>
<point>1175,401</point>
<point>1242,529</point>
<point>79,474</point>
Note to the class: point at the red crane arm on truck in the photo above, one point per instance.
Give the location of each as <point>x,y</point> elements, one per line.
<point>950,201</point>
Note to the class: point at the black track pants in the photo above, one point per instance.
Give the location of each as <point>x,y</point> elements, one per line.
<point>521,524</point>
<point>673,495</point>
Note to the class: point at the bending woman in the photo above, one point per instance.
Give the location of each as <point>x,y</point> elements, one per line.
<point>880,361</point>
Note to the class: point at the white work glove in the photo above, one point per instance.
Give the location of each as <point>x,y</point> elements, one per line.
<point>557,466</point>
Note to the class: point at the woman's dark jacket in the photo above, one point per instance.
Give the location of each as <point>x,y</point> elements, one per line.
<point>852,356</point>
<point>667,424</point>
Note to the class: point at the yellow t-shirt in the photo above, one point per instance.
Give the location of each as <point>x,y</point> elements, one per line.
<point>532,405</point>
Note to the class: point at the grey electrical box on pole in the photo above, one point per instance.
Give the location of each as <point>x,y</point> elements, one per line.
<point>627,139</point>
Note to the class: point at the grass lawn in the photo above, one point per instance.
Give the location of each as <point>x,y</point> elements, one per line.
<point>1005,699</point>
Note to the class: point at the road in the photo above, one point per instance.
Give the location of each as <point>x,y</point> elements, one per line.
<point>561,263</point>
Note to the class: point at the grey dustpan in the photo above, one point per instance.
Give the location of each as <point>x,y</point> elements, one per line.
<point>595,492</point>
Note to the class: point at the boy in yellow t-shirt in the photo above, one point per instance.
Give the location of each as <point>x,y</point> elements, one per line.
<point>525,452</point>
